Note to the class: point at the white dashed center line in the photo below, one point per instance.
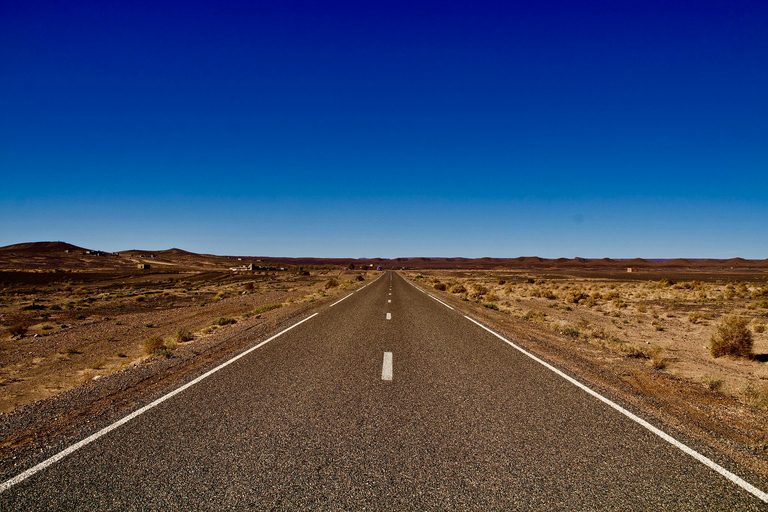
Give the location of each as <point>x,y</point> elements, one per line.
<point>389,316</point>
<point>389,300</point>
<point>386,368</point>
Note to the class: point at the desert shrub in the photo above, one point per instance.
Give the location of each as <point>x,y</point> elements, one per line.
<point>153,344</point>
<point>440,286</point>
<point>220,295</point>
<point>140,298</point>
<point>458,288</point>
<point>547,293</point>
<point>490,305</point>
<point>759,327</point>
<point>183,335</point>
<point>248,287</point>
<point>225,321</point>
<point>575,296</point>
<point>264,308</point>
<point>636,352</point>
<point>571,331</point>
<point>534,316</point>
<point>478,290</point>
<point>17,329</point>
<point>157,346</point>
<point>755,395</point>
<point>695,317</point>
<point>658,360</point>
<point>618,303</point>
<point>359,278</point>
<point>732,337</point>
<point>332,283</point>
<point>80,316</point>
<point>47,327</point>
<point>713,383</point>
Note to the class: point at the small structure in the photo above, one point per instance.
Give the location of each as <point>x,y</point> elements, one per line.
<point>631,269</point>
<point>244,268</point>
<point>144,266</point>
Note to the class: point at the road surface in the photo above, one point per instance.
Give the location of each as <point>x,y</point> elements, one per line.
<point>386,400</point>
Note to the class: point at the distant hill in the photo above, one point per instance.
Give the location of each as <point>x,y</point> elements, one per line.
<point>38,247</point>
<point>62,255</point>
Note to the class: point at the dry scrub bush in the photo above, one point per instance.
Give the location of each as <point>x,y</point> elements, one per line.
<point>264,308</point>
<point>440,286</point>
<point>534,316</point>
<point>332,283</point>
<point>756,396</point>
<point>732,337</point>
<point>157,346</point>
<point>458,288</point>
<point>478,290</point>
<point>713,383</point>
<point>575,296</point>
<point>183,335</point>
<point>18,329</point>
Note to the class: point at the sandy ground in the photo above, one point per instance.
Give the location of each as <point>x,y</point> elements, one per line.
<point>77,331</point>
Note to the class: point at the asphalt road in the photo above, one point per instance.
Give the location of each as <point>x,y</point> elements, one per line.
<point>306,422</point>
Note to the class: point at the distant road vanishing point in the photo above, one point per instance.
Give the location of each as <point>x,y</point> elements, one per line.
<point>387,399</point>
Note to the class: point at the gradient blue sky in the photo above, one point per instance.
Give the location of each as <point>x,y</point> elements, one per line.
<point>363,129</point>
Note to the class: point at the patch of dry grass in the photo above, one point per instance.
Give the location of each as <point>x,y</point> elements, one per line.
<point>732,337</point>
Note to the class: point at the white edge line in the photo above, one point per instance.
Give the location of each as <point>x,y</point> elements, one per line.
<point>438,300</point>
<point>671,440</point>
<point>73,448</point>
<point>344,298</point>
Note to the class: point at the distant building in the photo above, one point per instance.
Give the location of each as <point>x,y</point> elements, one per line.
<point>631,269</point>
<point>144,266</point>
<point>243,268</point>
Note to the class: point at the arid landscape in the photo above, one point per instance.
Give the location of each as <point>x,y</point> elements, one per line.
<point>86,331</point>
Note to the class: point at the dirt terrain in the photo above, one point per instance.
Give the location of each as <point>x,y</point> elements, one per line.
<point>87,334</point>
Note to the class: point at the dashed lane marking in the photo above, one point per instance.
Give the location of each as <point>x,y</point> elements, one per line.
<point>389,316</point>
<point>386,367</point>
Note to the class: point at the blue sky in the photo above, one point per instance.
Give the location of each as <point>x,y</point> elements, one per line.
<point>364,129</point>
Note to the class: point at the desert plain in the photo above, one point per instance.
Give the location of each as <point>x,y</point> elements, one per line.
<point>87,335</point>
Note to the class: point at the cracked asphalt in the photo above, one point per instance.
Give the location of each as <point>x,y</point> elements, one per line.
<point>306,422</point>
